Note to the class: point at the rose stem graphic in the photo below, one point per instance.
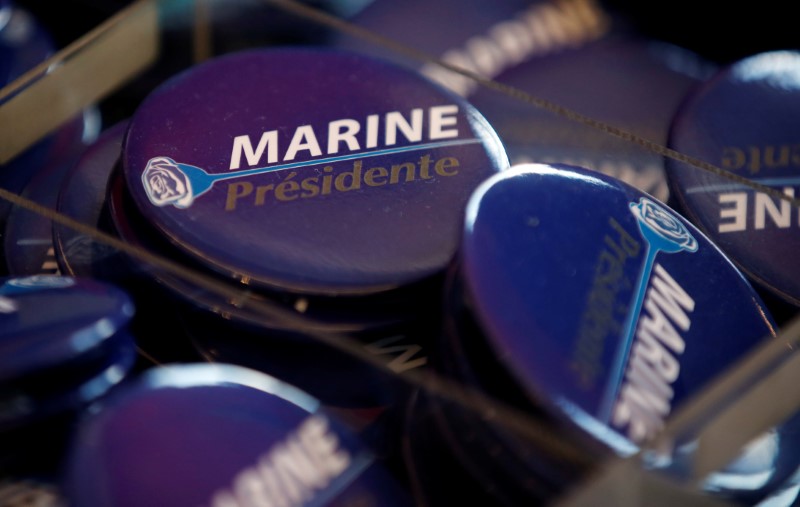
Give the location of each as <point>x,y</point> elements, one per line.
<point>202,181</point>
<point>656,242</point>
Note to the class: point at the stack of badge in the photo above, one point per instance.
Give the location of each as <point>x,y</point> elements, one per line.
<point>596,310</point>
<point>744,120</point>
<point>63,343</point>
<point>82,197</point>
<point>327,183</point>
<point>24,44</point>
<point>36,245</point>
<point>223,436</point>
<point>28,237</point>
<point>566,52</point>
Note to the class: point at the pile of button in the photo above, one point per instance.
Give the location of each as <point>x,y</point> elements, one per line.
<point>348,226</point>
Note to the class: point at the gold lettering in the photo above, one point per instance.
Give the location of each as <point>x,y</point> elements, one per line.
<point>310,187</point>
<point>235,191</point>
<point>769,156</point>
<point>755,158</point>
<point>443,164</point>
<point>261,193</point>
<point>372,175</point>
<point>326,180</point>
<point>425,167</point>
<point>355,179</point>
<point>286,189</point>
<point>411,172</point>
<point>733,158</point>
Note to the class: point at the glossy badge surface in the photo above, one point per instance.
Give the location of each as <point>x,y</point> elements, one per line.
<point>222,436</point>
<point>609,311</point>
<point>82,196</point>
<point>309,170</point>
<point>745,120</point>
<point>603,303</point>
<point>488,38</point>
<point>63,342</point>
<point>628,83</point>
<point>562,51</point>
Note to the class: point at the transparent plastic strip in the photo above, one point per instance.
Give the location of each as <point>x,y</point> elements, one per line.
<point>77,76</point>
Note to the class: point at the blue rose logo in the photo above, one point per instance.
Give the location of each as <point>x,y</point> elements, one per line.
<point>665,224</point>
<point>165,183</point>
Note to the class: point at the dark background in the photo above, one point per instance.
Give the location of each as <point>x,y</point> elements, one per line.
<point>716,30</point>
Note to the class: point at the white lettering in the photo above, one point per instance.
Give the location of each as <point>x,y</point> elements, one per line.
<point>766,206</point>
<point>242,144</point>
<point>766,211</point>
<point>412,131</point>
<point>456,82</point>
<point>645,399</point>
<point>329,456</point>
<point>292,472</point>
<point>372,130</point>
<point>539,29</point>
<point>488,57</point>
<point>738,212</point>
<point>441,117</point>
<point>343,130</point>
<point>442,124</point>
<point>303,139</point>
<point>513,39</point>
<point>666,295</point>
<point>405,358</point>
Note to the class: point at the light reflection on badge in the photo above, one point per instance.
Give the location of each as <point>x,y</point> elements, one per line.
<point>40,281</point>
<point>7,305</point>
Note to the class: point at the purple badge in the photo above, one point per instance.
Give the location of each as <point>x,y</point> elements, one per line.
<point>628,83</point>
<point>222,436</point>
<point>488,39</point>
<point>603,307</point>
<point>63,342</point>
<point>745,121</point>
<point>310,170</point>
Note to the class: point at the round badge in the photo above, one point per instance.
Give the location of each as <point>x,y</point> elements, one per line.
<point>744,120</point>
<point>577,279</point>
<point>51,320</point>
<point>604,306</point>
<point>488,39</point>
<point>218,435</point>
<point>628,83</point>
<point>309,170</point>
